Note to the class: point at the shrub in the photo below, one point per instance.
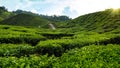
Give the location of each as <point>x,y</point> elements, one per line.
<point>50,49</point>
<point>91,57</point>
<point>16,50</point>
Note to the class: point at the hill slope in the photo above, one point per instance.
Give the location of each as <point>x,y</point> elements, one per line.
<point>26,20</point>
<point>103,21</point>
<point>4,13</point>
<point>53,18</point>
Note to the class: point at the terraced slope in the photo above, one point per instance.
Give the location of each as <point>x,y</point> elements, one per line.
<point>26,20</point>
<point>102,21</point>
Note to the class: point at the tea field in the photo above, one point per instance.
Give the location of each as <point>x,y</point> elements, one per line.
<point>88,41</point>
<point>26,47</point>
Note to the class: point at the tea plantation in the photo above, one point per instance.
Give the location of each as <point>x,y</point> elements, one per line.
<point>74,44</point>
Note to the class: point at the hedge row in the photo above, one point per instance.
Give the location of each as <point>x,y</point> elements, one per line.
<point>92,56</point>
<point>19,40</point>
<point>57,47</point>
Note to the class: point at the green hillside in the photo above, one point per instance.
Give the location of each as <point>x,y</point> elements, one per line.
<point>53,18</point>
<point>89,41</point>
<point>102,21</point>
<point>4,14</point>
<point>26,20</point>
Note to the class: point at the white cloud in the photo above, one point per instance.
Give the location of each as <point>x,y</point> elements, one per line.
<point>69,12</point>
<point>34,11</point>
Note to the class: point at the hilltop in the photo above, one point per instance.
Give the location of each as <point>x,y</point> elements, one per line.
<point>53,18</point>
<point>4,14</point>
<point>26,20</point>
<point>29,19</point>
<point>102,21</point>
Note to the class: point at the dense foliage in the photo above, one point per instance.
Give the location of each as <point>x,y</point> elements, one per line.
<point>102,21</point>
<point>26,20</point>
<point>89,41</point>
<point>4,14</point>
<point>87,57</point>
<point>91,57</point>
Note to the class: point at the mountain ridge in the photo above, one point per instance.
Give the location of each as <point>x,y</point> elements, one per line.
<point>102,21</point>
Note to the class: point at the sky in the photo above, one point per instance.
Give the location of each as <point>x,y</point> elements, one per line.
<point>71,8</point>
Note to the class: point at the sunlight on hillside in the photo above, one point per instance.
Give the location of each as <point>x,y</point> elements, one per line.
<point>115,11</point>
<point>115,8</point>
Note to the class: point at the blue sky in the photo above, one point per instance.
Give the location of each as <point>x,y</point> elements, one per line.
<point>71,8</point>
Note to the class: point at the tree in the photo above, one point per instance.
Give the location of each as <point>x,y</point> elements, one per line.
<point>2,9</point>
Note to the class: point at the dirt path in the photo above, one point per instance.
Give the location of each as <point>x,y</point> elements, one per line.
<point>52,26</point>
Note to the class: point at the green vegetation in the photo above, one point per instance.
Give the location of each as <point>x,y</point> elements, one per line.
<point>17,50</point>
<point>29,19</point>
<point>4,14</point>
<point>17,34</point>
<point>89,41</point>
<point>102,21</point>
<point>53,18</point>
<point>32,61</point>
<point>26,20</point>
<point>91,57</point>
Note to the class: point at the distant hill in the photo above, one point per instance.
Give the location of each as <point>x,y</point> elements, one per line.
<point>102,21</point>
<point>53,18</point>
<point>26,20</point>
<point>4,13</point>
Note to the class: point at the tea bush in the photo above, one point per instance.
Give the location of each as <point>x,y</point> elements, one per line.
<point>91,57</point>
<point>17,50</point>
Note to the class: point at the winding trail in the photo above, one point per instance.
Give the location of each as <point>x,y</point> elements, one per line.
<point>52,26</point>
